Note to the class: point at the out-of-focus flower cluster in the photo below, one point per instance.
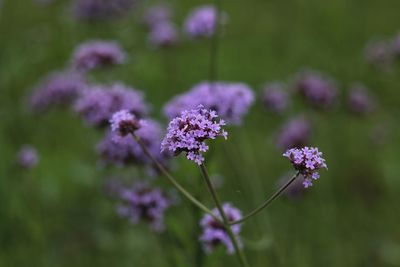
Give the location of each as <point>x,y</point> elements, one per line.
<point>27,157</point>
<point>202,21</point>
<point>230,100</point>
<point>188,133</point>
<point>306,160</point>
<point>359,101</point>
<point>144,203</point>
<point>295,133</point>
<point>214,233</point>
<point>275,98</point>
<point>381,54</point>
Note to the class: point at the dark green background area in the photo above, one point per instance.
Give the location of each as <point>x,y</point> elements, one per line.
<point>58,215</point>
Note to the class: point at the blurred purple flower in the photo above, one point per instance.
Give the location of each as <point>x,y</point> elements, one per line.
<point>163,34</point>
<point>90,10</point>
<point>189,132</point>
<point>122,150</point>
<point>56,90</point>
<point>27,157</point>
<point>275,98</point>
<point>202,21</point>
<point>294,133</point>
<point>123,122</point>
<point>144,203</point>
<point>214,233</point>
<point>378,54</point>
<point>97,104</point>
<point>97,54</point>
<point>231,100</point>
<point>306,160</point>
<point>157,14</point>
<point>359,101</point>
<point>317,89</point>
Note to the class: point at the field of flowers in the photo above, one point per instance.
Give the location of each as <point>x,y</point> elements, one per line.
<point>147,133</point>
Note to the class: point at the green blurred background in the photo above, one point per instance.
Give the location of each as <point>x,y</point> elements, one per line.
<point>57,214</point>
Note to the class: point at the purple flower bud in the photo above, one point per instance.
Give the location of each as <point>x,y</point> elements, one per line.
<point>56,90</point>
<point>306,160</point>
<point>214,233</point>
<point>318,90</point>
<point>27,157</point>
<point>230,100</point>
<point>90,10</point>
<point>275,98</point>
<point>144,203</point>
<point>97,54</point>
<point>163,34</point>
<point>189,132</point>
<point>358,101</point>
<point>202,21</point>
<point>294,133</point>
<point>97,104</point>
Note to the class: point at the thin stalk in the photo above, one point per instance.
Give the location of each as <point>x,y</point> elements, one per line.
<point>268,201</point>
<point>180,188</point>
<point>239,252</point>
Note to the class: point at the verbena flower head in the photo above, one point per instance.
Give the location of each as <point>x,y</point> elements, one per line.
<point>157,14</point>
<point>317,89</point>
<point>359,101</point>
<point>229,99</point>
<point>97,103</point>
<point>124,150</point>
<point>123,122</point>
<point>202,21</point>
<point>27,157</point>
<point>295,133</point>
<point>56,90</point>
<point>307,160</point>
<point>275,98</point>
<point>214,233</point>
<point>163,34</point>
<point>92,10</point>
<point>144,203</point>
<point>97,54</point>
<point>188,133</point>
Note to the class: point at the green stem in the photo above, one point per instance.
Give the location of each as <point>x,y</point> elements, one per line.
<point>239,252</point>
<point>268,201</point>
<point>180,188</point>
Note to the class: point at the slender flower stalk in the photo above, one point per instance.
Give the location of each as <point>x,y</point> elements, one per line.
<point>268,201</point>
<point>171,179</point>
<point>225,220</point>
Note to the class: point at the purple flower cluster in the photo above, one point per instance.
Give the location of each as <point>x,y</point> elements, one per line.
<point>97,104</point>
<point>359,101</point>
<point>214,233</point>
<point>90,10</point>
<point>231,100</point>
<point>123,122</point>
<point>27,157</point>
<point>378,54</point>
<point>307,160</point>
<point>56,90</point>
<point>97,54</point>
<point>275,98</point>
<point>163,34</point>
<point>202,21</point>
<point>294,133</point>
<point>144,203</point>
<point>318,90</point>
<point>189,132</point>
<point>122,150</point>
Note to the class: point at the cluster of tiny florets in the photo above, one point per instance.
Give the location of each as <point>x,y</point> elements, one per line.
<point>97,104</point>
<point>123,122</point>
<point>144,203</point>
<point>232,100</point>
<point>214,233</point>
<point>97,54</point>
<point>188,133</point>
<point>307,160</point>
